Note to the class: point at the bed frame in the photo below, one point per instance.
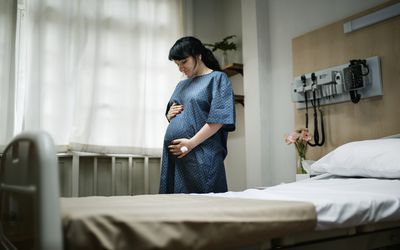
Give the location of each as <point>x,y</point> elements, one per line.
<point>382,236</point>
<point>29,194</point>
<point>30,208</point>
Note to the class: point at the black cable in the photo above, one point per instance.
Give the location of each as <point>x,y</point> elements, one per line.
<point>316,133</point>
<point>320,143</point>
<point>304,80</point>
<point>354,96</point>
<point>313,103</point>
<point>316,103</point>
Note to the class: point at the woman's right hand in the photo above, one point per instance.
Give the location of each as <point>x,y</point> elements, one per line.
<point>174,110</point>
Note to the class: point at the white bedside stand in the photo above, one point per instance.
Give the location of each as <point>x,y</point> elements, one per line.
<point>300,177</point>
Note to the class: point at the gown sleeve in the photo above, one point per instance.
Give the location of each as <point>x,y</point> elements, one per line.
<point>222,109</point>
<point>169,104</point>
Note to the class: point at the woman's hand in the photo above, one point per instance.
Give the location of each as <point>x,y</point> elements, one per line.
<point>180,147</point>
<point>174,110</point>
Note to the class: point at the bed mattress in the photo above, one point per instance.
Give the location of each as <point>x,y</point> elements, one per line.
<point>339,201</point>
<point>179,221</point>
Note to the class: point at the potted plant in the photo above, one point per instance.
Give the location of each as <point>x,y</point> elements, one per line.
<point>225,45</point>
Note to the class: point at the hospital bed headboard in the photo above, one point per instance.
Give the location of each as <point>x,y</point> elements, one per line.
<point>29,193</point>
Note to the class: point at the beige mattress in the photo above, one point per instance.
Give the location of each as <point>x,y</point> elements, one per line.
<point>179,221</point>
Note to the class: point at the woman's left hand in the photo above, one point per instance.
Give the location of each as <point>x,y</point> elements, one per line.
<point>180,147</point>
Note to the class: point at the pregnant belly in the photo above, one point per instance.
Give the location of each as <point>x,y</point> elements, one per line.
<point>178,128</point>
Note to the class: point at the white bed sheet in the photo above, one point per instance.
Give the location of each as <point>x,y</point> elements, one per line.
<point>339,202</point>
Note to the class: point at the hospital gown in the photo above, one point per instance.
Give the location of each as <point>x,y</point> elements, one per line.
<point>206,99</point>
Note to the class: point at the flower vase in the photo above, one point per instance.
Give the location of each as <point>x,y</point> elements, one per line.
<point>300,169</point>
<point>301,173</point>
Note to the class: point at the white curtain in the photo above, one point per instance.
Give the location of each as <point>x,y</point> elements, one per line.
<point>95,74</point>
<point>7,49</point>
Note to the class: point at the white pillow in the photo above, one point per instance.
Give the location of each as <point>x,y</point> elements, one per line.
<point>370,158</point>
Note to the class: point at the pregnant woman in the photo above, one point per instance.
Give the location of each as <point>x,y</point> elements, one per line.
<point>201,112</point>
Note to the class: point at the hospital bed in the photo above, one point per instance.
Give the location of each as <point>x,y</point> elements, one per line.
<point>334,210</point>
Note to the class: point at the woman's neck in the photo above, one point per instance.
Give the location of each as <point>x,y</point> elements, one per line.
<point>202,69</point>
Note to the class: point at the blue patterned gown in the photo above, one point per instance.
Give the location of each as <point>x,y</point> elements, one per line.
<point>205,99</point>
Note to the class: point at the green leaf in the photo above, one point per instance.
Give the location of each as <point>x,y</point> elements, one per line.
<point>223,45</point>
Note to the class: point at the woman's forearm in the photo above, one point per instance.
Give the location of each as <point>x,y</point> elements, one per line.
<point>204,133</point>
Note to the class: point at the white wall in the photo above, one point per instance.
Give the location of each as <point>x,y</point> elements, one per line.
<point>214,20</point>
<point>256,80</point>
<point>267,30</point>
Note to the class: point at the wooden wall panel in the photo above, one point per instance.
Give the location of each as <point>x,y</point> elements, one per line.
<point>329,46</point>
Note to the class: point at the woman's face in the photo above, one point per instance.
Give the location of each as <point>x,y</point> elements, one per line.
<point>187,66</point>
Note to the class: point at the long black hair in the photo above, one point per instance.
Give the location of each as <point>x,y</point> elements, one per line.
<point>191,46</point>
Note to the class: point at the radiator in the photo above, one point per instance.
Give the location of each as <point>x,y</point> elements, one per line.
<point>83,174</point>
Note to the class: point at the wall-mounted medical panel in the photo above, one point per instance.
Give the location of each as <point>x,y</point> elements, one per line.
<point>352,81</point>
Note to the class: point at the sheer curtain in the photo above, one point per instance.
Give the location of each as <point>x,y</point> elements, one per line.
<point>7,41</point>
<point>96,72</point>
